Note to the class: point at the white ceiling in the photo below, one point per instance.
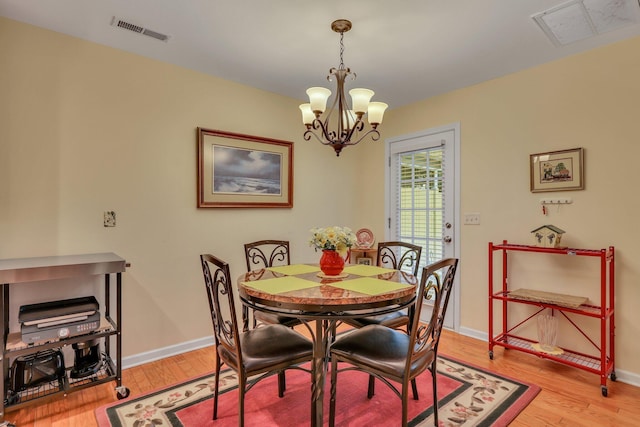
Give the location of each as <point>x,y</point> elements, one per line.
<point>405,50</point>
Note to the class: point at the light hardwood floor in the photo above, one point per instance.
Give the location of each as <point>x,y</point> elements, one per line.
<point>569,396</point>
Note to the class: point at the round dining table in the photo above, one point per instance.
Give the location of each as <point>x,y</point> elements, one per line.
<point>304,292</point>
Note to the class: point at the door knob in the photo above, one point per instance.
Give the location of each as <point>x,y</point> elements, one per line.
<point>447,239</point>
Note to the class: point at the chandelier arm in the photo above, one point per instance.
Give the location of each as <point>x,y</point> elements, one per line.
<point>307,137</point>
<point>375,136</point>
<point>357,127</point>
<point>326,137</point>
<point>329,135</point>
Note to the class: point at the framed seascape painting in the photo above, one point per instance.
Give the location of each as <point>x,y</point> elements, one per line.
<point>557,170</point>
<point>243,171</point>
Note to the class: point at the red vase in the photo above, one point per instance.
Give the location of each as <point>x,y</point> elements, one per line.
<point>331,263</point>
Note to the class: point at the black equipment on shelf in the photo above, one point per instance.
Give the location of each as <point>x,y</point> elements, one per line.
<point>36,369</point>
<point>88,360</point>
<point>58,319</point>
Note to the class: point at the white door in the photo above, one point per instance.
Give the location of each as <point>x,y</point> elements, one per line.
<point>423,198</point>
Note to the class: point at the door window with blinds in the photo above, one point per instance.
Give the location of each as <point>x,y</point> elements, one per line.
<point>420,204</point>
<point>421,197</point>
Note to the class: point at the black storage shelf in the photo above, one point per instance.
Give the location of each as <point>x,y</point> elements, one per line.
<point>50,390</point>
<point>14,272</point>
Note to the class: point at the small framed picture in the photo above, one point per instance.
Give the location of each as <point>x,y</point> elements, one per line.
<point>557,170</point>
<point>364,261</point>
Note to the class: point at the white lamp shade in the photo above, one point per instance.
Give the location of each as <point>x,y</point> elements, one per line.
<point>360,99</point>
<point>376,112</point>
<point>318,98</point>
<point>307,114</point>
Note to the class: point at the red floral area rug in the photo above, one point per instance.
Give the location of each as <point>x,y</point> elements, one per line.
<point>467,395</point>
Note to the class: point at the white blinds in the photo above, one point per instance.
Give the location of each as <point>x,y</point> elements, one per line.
<point>420,201</point>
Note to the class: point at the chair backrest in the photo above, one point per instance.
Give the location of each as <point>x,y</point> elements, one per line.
<point>222,306</point>
<point>399,255</point>
<point>435,286</point>
<point>266,253</point>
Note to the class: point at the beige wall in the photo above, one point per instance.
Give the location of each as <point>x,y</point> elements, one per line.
<point>85,128</point>
<point>588,100</point>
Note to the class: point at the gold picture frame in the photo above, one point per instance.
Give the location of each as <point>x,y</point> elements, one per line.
<point>557,170</point>
<point>243,171</point>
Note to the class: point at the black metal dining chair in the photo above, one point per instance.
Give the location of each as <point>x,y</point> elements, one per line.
<point>399,256</point>
<point>264,254</point>
<point>261,352</point>
<point>392,356</point>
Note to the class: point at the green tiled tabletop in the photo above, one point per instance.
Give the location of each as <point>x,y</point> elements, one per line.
<point>294,269</point>
<point>370,285</point>
<point>367,270</point>
<point>281,284</point>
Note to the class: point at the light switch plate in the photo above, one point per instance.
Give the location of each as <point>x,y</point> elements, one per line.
<point>472,218</point>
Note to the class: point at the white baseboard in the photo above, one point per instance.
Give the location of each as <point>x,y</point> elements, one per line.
<point>626,377</point>
<point>479,335</point>
<point>150,356</point>
<point>161,353</point>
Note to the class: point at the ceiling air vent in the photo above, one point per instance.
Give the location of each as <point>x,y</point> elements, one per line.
<point>121,23</point>
<point>580,19</point>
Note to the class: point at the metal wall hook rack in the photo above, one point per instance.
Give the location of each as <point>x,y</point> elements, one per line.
<point>556,201</point>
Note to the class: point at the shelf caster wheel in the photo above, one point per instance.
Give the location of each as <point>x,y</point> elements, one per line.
<point>491,354</point>
<point>613,376</point>
<point>122,392</point>
<point>604,391</point>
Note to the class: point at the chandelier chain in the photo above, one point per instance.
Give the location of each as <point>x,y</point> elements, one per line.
<point>341,66</point>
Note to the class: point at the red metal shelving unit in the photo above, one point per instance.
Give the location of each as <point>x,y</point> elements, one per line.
<point>600,363</point>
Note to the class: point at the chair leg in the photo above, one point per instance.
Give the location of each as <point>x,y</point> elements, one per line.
<point>434,383</point>
<point>334,386</point>
<point>242,386</point>
<point>245,318</point>
<point>372,386</point>
<point>216,387</point>
<point>282,384</point>
<point>255,322</point>
<point>405,404</point>
<point>414,389</point>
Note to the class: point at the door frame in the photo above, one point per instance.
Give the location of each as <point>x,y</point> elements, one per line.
<point>455,127</point>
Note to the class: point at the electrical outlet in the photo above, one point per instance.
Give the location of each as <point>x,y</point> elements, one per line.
<point>472,218</point>
<point>109,218</point>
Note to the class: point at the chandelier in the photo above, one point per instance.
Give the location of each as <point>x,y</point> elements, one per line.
<point>341,125</point>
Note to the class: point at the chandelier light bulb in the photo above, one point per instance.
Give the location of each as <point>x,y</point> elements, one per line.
<point>307,114</point>
<point>318,99</point>
<point>360,98</point>
<point>376,112</point>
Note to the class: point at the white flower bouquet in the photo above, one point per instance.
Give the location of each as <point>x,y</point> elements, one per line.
<point>338,239</point>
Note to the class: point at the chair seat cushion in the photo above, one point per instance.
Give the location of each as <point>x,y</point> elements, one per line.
<point>270,345</point>
<point>379,348</point>
<point>394,320</point>
<point>275,319</point>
